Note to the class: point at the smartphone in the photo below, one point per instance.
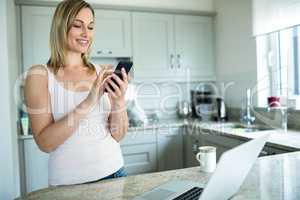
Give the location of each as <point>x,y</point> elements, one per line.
<point>122,64</point>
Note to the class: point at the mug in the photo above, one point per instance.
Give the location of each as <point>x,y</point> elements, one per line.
<point>207,158</point>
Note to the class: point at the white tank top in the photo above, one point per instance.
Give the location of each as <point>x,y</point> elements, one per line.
<point>90,153</point>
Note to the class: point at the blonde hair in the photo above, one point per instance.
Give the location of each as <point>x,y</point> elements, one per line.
<point>64,15</point>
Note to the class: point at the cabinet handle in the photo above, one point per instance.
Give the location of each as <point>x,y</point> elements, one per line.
<point>99,52</point>
<point>172,61</point>
<point>195,148</point>
<point>178,61</point>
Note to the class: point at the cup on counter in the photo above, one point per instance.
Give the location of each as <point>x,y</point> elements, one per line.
<point>207,158</point>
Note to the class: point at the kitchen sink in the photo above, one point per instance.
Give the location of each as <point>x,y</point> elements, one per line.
<point>247,128</point>
<point>251,128</point>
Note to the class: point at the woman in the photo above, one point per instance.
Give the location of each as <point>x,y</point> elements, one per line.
<point>72,118</point>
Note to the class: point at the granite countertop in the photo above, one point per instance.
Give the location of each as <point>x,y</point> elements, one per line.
<point>166,123</point>
<point>272,177</point>
<point>280,139</point>
<point>290,139</point>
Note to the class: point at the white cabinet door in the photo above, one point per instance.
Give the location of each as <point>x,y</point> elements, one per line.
<point>222,143</point>
<point>153,46</point>
<point>220,147</point>
<point>36,166</point>
<point>191,143</point>
<point>170,148</point>
<point>194,48</point>
<point>139,158</point>
<point>112,34</point>
<point>140,152</point>
<point>36,24</point>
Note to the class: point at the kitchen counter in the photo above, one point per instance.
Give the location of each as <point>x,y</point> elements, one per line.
<point>289,140</point>
<point>286,140</point>
<point>166,123</point>
<point>272,177</point>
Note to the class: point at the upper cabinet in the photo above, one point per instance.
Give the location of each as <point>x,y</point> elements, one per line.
<point>112,34</point>
<point>164,47</point>
<point>194,47</point>
<point>36,23</point>
<point>153,46</point>
<point>173,47</point>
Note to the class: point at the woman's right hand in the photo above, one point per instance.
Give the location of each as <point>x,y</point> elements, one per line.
<point>97,89</point>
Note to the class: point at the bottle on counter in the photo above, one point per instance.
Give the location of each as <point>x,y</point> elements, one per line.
<point>24,123</point>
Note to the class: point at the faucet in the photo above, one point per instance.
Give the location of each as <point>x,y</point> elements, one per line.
<point>248,118</point>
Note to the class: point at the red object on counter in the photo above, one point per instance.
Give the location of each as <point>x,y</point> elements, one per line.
<point>274,101</point>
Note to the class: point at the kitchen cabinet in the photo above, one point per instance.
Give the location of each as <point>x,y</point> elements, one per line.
<point>191,143</point>
<point>194,47</point>
<point>163,46</point>
<point>196,138</point>
<point>35,164</point>
<point>222,143</point>
<point>170,148</point>
<point>172,47</point>
<point>36,24</point>
<point>112,34</point>
<point>140,152</point>
<point>153,46</point>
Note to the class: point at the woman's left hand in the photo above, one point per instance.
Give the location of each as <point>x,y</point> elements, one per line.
<point>118,95</point>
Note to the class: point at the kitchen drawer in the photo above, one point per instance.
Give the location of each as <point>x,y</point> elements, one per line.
<point>140,158</point>
<point>139,137</point>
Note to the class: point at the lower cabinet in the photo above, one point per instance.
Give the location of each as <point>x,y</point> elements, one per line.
<point>153,150</point>
<point>222,143</point>
<point>195,139</point>
<point>139,152</point>
<point>170,148</point>
<point>144,151</point>
<point>191,143</point>
<point>35,166</point>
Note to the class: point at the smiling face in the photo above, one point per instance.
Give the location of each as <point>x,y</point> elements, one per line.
<point>81,32</point>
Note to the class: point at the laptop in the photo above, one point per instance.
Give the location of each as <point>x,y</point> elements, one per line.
<point>231,171</point>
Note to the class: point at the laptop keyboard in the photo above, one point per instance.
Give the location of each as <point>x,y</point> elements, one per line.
<point>192,194</point>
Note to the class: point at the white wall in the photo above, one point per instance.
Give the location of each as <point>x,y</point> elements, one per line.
<point>199,5</point>
<point>273,15</point>
<point>14,69</point>
<point>7,142</point>
<point>164,97</point>
<point>235,48</point>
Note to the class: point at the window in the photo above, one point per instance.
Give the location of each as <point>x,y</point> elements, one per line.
<point>278,66</point>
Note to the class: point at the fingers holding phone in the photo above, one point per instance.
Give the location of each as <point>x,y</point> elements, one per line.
<point>116,86</point>
<point>121,71</point>
<point>97,89</point>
